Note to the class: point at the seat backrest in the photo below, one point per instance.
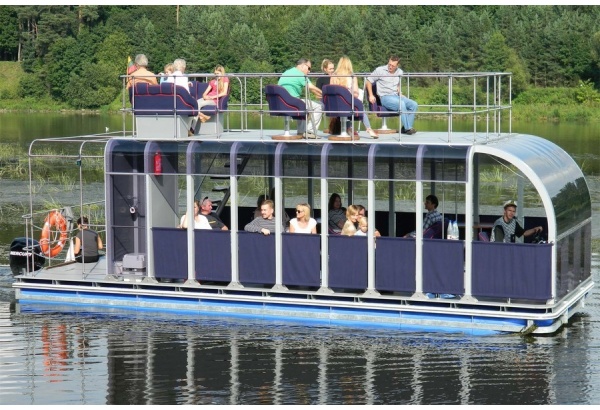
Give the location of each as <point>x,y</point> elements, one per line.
<point>198,88</point>
<point>162,99</point>
<point>483,236</point>
<point>377,107</point>
<point>281,103</point>
<point>377,104</point>
<point>434,231</point>
<point>339,102</point>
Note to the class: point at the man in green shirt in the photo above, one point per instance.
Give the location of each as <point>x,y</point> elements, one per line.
<point>295,81</point>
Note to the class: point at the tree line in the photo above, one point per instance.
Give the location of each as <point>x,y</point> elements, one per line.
<point>75,54</point>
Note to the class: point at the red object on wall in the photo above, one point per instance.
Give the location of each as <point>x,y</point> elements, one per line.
<point>157,163</point>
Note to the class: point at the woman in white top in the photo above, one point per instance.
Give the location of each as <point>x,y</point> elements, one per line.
<point>177,76</point>
<point>303,223</point>
<point>200,221</point>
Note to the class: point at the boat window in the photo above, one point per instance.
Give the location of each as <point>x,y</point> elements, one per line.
<point>301,160</point>
<point>393,162</point>
<point>256,159</point>
<point>126,156</point>
<point>211,158</point>
<point>441,163</point>
<point>166,157</point>
<point>347,161</point>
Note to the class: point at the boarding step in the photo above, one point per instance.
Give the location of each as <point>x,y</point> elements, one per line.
<point>220,188</point>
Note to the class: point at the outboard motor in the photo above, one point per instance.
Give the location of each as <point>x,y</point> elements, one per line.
<point>22,249</point>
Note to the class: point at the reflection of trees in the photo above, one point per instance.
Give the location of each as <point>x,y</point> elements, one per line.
<point>572,204</point>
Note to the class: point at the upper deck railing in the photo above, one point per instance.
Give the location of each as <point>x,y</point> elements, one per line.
<point>484,97</point>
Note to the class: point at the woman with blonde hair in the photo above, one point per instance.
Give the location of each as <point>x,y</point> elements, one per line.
<point>303,223</point>
<point>349,228</point>
<point>344,76</point>
<point>217,88</point>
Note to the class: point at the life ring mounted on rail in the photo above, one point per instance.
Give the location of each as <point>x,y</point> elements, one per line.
<point>57,220</point>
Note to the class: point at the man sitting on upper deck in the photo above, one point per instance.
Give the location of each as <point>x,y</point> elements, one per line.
<point>266,223</point>
<point>506,228</point>
<point>295,81</point>
<point>387,78</point>
<point>141,74</point>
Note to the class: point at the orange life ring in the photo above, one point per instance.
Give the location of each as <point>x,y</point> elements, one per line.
<point>56,219</point>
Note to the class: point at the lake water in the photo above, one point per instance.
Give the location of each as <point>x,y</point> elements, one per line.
<point>116,357</point>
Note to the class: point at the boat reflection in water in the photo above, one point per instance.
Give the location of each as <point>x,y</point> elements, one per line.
<point>95,356</point>
<point>154,174</point>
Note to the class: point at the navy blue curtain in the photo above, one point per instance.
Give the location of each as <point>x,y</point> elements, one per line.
<point>301,259</point>
<point>395,264</point>
<point>443,266</point>
<point>348,262</point>
<point>256,258</point>
<point>512,270</point>
<point>170,253</point>
<point>213,255</point>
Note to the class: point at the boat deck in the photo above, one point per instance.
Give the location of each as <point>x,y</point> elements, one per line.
<point>420,138</point>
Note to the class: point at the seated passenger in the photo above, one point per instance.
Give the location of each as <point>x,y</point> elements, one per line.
<point>87,243</point>
<point>266,223</point>
<point>178,76</point>
<point>432,216</point>
<point>303,223</point>
<point>200,221</point>
<point>344,76</point>
<point>336,213</point>
<point>167,73</point>
<point>349,229</point>
<point>295,81</point>
<point>363,226</point>
<point>261,198</point>
<point>362,211</point>
<point>387,79</point>
<point>141,73</point>
<point>212,217</point>
<point>351,224</point>
<point>506,228</point>
<point>217,88</point>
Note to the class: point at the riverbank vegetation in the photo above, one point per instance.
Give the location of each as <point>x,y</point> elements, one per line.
<point>70,57</point>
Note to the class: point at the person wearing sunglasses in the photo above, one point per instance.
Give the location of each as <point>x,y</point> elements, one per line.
<point>295,81</point>
<point>303,223</point>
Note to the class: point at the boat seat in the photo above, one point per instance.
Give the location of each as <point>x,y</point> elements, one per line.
<point>483,236</point>
<point>216,112</point>
<point>382,113</point>
<point>339,102</point>
<point>162,110</point>
<point>282,104</point>
<point>434,231</point>
<point>162,99</point>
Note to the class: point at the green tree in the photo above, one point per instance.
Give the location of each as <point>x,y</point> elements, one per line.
<point>9,34</point>
<point>63,57</point>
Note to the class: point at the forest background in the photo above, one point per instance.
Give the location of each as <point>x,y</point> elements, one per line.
<point>71,57</point>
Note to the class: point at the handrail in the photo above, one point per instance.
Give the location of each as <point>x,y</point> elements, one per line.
<point>490,95</point>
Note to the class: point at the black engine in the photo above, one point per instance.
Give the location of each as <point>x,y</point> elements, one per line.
<point>23,249</point>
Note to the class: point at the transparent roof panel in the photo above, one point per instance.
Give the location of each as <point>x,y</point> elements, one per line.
<point>562,179</point>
